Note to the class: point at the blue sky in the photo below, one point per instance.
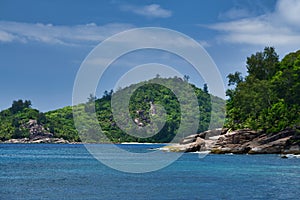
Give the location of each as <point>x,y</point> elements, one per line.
<point>43,43</point>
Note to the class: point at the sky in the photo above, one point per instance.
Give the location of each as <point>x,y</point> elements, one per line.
<point>43,43</point>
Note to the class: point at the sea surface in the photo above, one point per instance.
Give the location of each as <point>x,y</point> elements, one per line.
<point>69,171</point>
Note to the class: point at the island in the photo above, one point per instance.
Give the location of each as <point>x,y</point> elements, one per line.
<point>260,116</point>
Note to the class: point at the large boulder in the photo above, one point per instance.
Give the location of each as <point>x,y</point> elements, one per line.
<point>252,142</point>
<point>241,141</point>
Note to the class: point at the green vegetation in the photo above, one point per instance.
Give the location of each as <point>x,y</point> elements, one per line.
<point>141,96</point>
<point>13,120</point>
<point>268,98</point>
<point>60,123</point>
<point>154,92</point>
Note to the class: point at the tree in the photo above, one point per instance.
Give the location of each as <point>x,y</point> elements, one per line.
<point>263,65</point>
<point>287,79</point>
<point>235,79</point>
<point>186,78</point>
<point>92,98</point>
<point>19,105</point>
<point>205,88</point>
<point>268,97</point>
<point>107,95</point>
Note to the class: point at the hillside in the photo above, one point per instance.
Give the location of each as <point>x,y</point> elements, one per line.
<point>265,101</point>
<point>15,121</point>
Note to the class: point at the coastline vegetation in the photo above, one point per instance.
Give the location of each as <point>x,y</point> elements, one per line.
<point>266,99</point>
<point>60,122</point>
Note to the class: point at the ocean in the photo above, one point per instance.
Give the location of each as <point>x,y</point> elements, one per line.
<point>69,171</point>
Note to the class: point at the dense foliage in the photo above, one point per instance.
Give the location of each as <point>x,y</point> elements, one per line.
<point>142,95</point>
<point>268,98</point>
<point>60,122</point>
<point>157,91</point>
<point>12,120</point>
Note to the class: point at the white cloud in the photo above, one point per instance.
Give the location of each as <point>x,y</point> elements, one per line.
<point>6,37</point>
<point>51,34</point>
<point>153,10</point>
<point>88,34</point>
<point>235,13</point>
<point>289,11</point>
<point>280,28</point>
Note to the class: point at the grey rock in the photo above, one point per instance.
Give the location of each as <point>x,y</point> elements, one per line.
<point>241,142</point>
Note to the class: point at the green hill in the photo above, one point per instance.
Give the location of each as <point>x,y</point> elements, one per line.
<point>147,104</point>
<point>266,99</point>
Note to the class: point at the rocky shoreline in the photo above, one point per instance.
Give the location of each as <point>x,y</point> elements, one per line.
<point>244,141</point>
<point>38,140</point>
<point>217,141</point>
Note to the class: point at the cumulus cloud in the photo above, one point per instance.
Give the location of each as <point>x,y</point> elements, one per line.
<point>153,10</point>
<point>51,34</point>
<point>278,28</point>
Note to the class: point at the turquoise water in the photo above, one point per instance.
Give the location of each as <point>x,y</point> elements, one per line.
<point>64,171</point>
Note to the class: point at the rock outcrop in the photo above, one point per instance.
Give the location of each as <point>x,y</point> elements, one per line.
<point>37,131</point>
<point>197,142</point>
<point>221,141</point>
<point>37,134</point>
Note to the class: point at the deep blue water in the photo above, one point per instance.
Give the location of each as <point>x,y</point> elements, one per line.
<point>65,171</point>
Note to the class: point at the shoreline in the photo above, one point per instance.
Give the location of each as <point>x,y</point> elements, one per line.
<point>63,141</point>
<point>243,141</point>
<point>216,141</point>
<point>164,149</point>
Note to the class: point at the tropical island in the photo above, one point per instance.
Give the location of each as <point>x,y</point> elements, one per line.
<point>262,113</point>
